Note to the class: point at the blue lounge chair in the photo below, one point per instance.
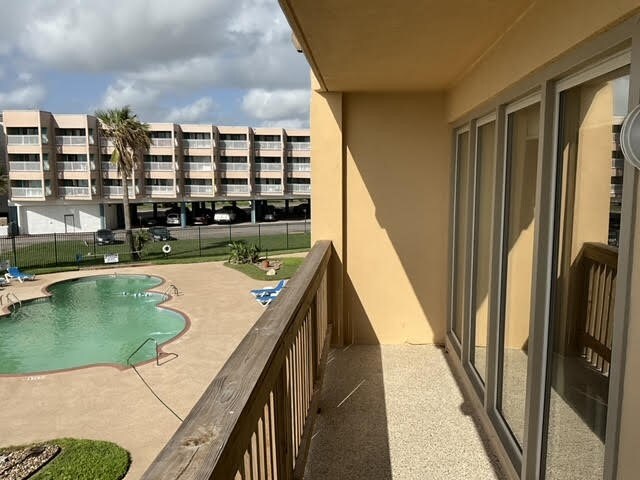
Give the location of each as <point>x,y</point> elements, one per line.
<point>266,292</point>
<point>15,272</point>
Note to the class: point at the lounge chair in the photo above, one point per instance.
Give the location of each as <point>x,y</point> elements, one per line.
<point>266,292</point>
<point>15,272</point>
<point>268,298</point>
<point>4,282</point>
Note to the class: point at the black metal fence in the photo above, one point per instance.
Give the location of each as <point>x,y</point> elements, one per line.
<point>68,249</point>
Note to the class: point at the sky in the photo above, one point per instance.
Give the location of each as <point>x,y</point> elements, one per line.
<point>225,62</point>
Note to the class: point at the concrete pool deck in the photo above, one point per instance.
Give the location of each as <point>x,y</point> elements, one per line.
<point>105,403</point>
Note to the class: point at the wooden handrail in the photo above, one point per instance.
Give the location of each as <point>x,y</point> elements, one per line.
<point>254,419</point>
<point>601,253</point>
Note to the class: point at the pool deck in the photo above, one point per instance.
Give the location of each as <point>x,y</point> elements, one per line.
<point>105,403</point>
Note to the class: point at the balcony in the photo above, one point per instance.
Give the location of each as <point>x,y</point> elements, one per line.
<point>112,190</point>
<point>268,188</point>
<point>162,142</point>
<point>106,142</point>
<point>234,167</point>
<point>72,166</point>
<point>285,405</point>
<point>234,189</point>
<point>198,189</point>
<point>299,146</point>
<point>298,167</point>
<point>198,166</point>
<point>160,190</point>
<point>234,144</point>
<point>23,140</point>
<point>109,167</point>
<point>73,191</point>
<point>259,145</point>
<point>24,166</point>
<point>268,167</point>
<point>158,166</point>
<point>299,187</point>
<point>616,191</point>
<point>78,140</point>
<point>197,142</point>
<point>26,192</point>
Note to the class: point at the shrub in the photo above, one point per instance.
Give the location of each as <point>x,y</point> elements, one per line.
<point>243,252</point>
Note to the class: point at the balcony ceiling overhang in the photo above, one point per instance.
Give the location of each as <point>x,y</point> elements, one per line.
<point>400,45</point>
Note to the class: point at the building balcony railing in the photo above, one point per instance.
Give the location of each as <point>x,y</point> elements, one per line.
<point>299,167</point>
<point>231,189</point>
<point>268,188</point>
<point>112,190</point>
<point>106,142</point>
<point>197,142</point>
<point>234,167</point>
<point>268,167</point>
<point>259,145</point>
<point>234,144</point>
<point>162,142</point>
<point>198,189</point>
<point>616,190</point>
<point>158,166</point>
<point>109,167</point>
<point>73,191</point>
<point>26,192</point>
<point>160,190</point>
<point>79,140</point>
<point>73,166</point>
<point>198,166</point>
<point>299,146</point>
<point>24,166</point>
<point>299,187</point>
<point>23,140</point>
<point>267,407</point>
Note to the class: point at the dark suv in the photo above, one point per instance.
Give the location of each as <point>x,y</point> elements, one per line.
<point>160,234</point>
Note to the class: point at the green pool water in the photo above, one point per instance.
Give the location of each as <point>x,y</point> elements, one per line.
<point>87,321</point>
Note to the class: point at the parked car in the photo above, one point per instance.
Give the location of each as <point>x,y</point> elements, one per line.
<point>230,214</point>
<point>105,237</point>
<point>173,219</point>
<point>270,214</point>
<point>160,234</point>
<point>203,217</point>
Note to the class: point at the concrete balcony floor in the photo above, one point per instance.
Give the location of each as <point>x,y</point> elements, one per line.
<point>396,412</point>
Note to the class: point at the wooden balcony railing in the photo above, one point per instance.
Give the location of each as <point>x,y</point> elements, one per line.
<point>255,419</point>
<point>599,267</point>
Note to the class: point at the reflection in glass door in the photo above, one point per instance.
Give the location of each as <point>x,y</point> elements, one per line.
<point>518,244</point>
<point>485,179</point>
<point>590,169</point>
<point>461,231</point>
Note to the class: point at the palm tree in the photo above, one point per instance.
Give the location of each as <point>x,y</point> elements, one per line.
<point>130,139</point>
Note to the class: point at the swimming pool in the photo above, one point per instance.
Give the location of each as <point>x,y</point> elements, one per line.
<point>87,321</point>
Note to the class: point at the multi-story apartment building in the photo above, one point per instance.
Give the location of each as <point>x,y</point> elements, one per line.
<point>62,180</point>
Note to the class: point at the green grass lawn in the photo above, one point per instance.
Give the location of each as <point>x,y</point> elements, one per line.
<point>62,254</point>
<point>84,460</point>
<point>289,266</point>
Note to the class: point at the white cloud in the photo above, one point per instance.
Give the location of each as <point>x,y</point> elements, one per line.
<point>278,107</point>
<point>199,111</point>
<point>129,93</point>
<point>28,96</point>
<point>25,77</point>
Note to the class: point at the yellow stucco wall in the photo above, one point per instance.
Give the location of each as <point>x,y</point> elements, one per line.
<point>397,217</point>
<point>545,31</point>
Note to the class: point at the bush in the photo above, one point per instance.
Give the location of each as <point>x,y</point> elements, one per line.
<point>243,252</point>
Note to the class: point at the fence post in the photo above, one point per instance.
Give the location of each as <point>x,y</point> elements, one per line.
<point>259,238</point>
<point>287,236</point>
<point>55,247</point>
<point>230,233</point>
<point>13,247</point>
<point>199,242</point>
<point>94,244</point>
